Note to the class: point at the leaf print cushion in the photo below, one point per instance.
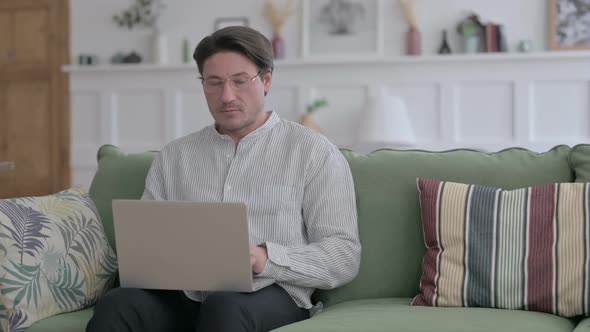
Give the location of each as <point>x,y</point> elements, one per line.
<point>54,257</point>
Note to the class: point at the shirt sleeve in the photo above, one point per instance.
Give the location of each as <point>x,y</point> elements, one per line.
<point>154,182</point>
<point>332,257</point>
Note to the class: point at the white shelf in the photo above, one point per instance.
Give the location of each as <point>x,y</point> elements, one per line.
<point>481,57</point>
<point>106,68</point>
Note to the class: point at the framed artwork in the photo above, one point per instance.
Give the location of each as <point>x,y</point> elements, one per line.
<point>569,24</point>
<point>224,22</point>
<point>342,28</point>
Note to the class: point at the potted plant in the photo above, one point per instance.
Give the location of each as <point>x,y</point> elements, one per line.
<point>413,35</point>
<point>308,119</point>
<point>145,13</point>
<point>277,18</point>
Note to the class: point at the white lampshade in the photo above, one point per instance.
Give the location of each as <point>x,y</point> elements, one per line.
<point>384,122</point>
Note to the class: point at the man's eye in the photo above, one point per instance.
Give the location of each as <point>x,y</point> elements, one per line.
<point>214,82</point>
<point>240,81</point>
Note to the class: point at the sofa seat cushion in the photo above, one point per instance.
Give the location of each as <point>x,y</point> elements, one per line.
<point>393,314</point>
<point>583,326</point>
<point>71,322</point>
<point>396,314</point>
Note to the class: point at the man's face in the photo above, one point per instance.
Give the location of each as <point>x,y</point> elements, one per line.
<point>235,95</point>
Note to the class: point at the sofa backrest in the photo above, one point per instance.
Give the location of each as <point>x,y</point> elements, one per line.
<point>118,176</point>
<point>387,201</point>
<point>389,211</point>
<point>580,162</point>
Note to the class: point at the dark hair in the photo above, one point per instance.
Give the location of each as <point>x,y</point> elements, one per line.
<point>244,40</point>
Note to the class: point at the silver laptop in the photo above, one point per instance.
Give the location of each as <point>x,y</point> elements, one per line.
<point>192,246</point>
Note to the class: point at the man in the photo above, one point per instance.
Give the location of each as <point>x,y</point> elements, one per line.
<point>297,187</point>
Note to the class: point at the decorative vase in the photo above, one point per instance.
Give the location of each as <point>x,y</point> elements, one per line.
<point>525,46</point>
<point>413,42</point>
<point>308,120</point>
<point>471,44</point>
<point>278,46</point>
<point>185,51</point>
<point>160,48</point>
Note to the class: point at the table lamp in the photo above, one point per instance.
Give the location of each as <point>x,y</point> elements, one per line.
<point>384,122</point>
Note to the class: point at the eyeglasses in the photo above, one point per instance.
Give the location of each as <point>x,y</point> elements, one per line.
<point>237,83</point>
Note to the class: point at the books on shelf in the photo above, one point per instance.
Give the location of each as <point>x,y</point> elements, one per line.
<point>494,38</point>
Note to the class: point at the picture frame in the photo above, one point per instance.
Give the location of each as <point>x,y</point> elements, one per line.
<point>223,22</point>
<point>569,25</point>
<point>342,29</point>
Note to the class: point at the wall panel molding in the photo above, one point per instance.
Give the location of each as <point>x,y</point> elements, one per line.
<point>486,102</point>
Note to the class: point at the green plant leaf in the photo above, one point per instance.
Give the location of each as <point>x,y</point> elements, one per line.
<point>67,289</point>
<point>9,290</point>
<point>11,282</point>
<point>81,235</point>
<point>109,269</point>
<point>26,278</point>
<point>317,104</point>
<point>3,317</point>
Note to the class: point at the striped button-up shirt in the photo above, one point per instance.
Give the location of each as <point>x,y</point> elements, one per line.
<point>298,189</point>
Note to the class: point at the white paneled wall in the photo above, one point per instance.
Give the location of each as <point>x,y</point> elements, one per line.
<point>486,101</point>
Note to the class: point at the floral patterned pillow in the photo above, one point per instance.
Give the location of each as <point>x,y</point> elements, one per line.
<point>54,257</point>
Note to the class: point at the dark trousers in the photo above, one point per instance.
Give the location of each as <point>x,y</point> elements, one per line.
<point>131,309</point>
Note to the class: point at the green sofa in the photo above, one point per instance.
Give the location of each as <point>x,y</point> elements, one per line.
<point>391,235</point>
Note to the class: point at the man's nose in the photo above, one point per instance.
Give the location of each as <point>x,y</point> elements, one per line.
<point>227,92</point>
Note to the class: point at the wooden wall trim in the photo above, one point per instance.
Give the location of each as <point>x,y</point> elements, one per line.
<point>63,94</point>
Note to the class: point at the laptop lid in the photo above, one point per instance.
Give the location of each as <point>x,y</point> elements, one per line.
<point>183,245</point>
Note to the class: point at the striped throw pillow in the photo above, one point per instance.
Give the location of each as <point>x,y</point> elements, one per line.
<point>523,249</point>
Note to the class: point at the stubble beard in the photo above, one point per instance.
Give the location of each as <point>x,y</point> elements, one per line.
<point>231,126</point>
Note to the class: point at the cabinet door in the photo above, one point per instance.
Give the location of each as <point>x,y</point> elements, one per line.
<point>31,28</point>
<point>27,138</point>
<point>6,32</point>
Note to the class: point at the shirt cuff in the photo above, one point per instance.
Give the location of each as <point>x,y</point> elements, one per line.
<point>278,261</point>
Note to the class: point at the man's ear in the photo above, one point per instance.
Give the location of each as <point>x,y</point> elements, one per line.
<point>267,81</point>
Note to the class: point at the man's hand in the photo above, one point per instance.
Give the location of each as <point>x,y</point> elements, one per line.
<point>258,258</point>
